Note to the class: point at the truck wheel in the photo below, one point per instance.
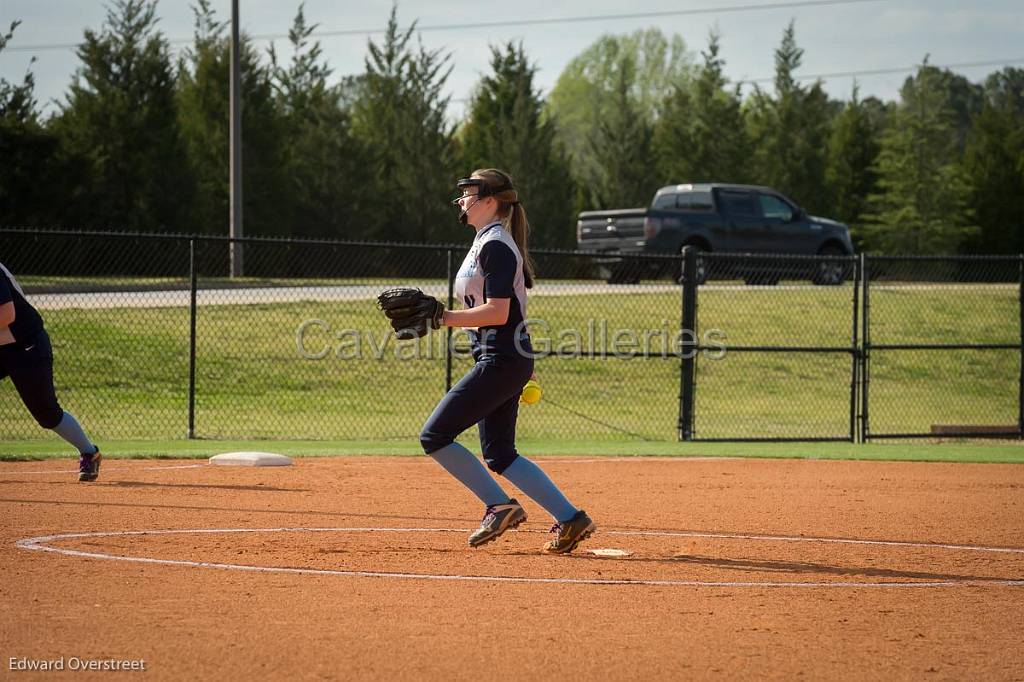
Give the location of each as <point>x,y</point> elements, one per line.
<point>829,273</point>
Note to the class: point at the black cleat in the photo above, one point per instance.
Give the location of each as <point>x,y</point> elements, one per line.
<point>89,466</point>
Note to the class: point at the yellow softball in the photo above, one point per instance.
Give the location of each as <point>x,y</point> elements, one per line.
<point>531,392</point>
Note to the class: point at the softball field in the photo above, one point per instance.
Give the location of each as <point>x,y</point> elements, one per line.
<point>357,568</point>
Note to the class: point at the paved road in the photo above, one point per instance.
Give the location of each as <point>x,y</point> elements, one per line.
<point>358,292</point>
<point>242,296</point>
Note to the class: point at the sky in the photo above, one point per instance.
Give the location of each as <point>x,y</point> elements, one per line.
<point>859,35</point>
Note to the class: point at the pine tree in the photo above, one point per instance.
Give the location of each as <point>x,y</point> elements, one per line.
<point>17,101</point>
<point>961,98</point>
<point>506,129</point>
<point>622,147</point>
<point>203,97</point>
<point>922,204</point>
<point>700,136</point>
<point>994,160</point>
<point>120,118</point>
<point>323,162</point>
<point>399,117</point>
<point>852,151</point>
<point>789,131</point>
<point>203,120</point>
<point>28,182</point>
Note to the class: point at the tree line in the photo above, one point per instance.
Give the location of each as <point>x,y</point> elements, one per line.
<point>140,140</point>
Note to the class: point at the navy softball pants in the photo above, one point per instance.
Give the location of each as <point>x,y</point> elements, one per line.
<point>489,396</point>
<point>30,366</point>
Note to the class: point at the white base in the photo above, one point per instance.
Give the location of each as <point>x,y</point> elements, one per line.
<point>251,459</point>
<point>609,552</point>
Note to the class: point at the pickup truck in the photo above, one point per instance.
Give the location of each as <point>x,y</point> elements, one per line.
<point>714,217</point>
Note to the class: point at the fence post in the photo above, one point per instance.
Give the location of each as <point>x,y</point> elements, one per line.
<point>192,339</point>
<point>865,355</point>
<point>857,265</point>
<point>1020,399</point>
<point>688,346</point>
<point>448,332</point>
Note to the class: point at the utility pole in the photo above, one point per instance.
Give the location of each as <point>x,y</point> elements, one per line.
<point>235,231</point>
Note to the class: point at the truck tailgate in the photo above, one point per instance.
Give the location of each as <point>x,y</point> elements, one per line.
<point>611,229</point>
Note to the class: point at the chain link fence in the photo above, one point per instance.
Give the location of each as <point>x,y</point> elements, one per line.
<point>788,327</point>
<point>943,342</point>
<point>153,341</point>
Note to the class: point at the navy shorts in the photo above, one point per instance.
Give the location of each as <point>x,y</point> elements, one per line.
<point>29,364</point>
<point>489,396</point>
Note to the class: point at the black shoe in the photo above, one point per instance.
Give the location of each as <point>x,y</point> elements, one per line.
<point>89,466</point>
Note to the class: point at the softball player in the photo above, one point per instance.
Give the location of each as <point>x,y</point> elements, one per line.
<point>26,357</point>
<point>492,284</point>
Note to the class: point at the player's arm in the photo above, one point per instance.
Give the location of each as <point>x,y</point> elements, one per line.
<point>6,304</point>
<point>490,314</point>
<point>6,313</point>
<point>498,265</point>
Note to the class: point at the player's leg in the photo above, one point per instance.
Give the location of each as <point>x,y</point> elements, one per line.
<point>89,456</point>
<point>30,366</point>
<point>481,391</point>
<point>497,440</point>
<point>462,407</point>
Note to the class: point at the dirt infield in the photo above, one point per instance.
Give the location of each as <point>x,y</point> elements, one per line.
<point>357,568</point>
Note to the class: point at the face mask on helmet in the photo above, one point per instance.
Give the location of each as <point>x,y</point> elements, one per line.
<point>462,185</point>
<point>483,190</point>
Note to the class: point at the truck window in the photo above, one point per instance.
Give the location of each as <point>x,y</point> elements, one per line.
<point>739,203</point>
<point>774,207</point>
<point>695,201</point>
<point>667,200</point>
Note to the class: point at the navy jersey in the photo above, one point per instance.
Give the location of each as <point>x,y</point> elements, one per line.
<point>27,322</point>
<point>493,268</point>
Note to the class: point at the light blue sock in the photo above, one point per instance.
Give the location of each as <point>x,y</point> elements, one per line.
<point>470,471</point>
<point>70,430</point>
<point>532,480</point>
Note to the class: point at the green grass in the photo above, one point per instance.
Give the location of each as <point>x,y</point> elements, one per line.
<point>909,390</point>
<point>981,452</point>
<point>124,372</point>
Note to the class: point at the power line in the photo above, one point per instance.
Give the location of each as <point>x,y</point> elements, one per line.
<point>796,4</point>
<point>879,72</point>
<point>863,72</point>
<point>601,17</point>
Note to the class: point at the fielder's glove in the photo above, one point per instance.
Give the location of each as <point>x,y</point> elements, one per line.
<point>411,311</point>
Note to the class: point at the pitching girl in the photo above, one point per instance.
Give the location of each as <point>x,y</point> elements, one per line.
<point>492,284</point>
<point>26,357</point>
